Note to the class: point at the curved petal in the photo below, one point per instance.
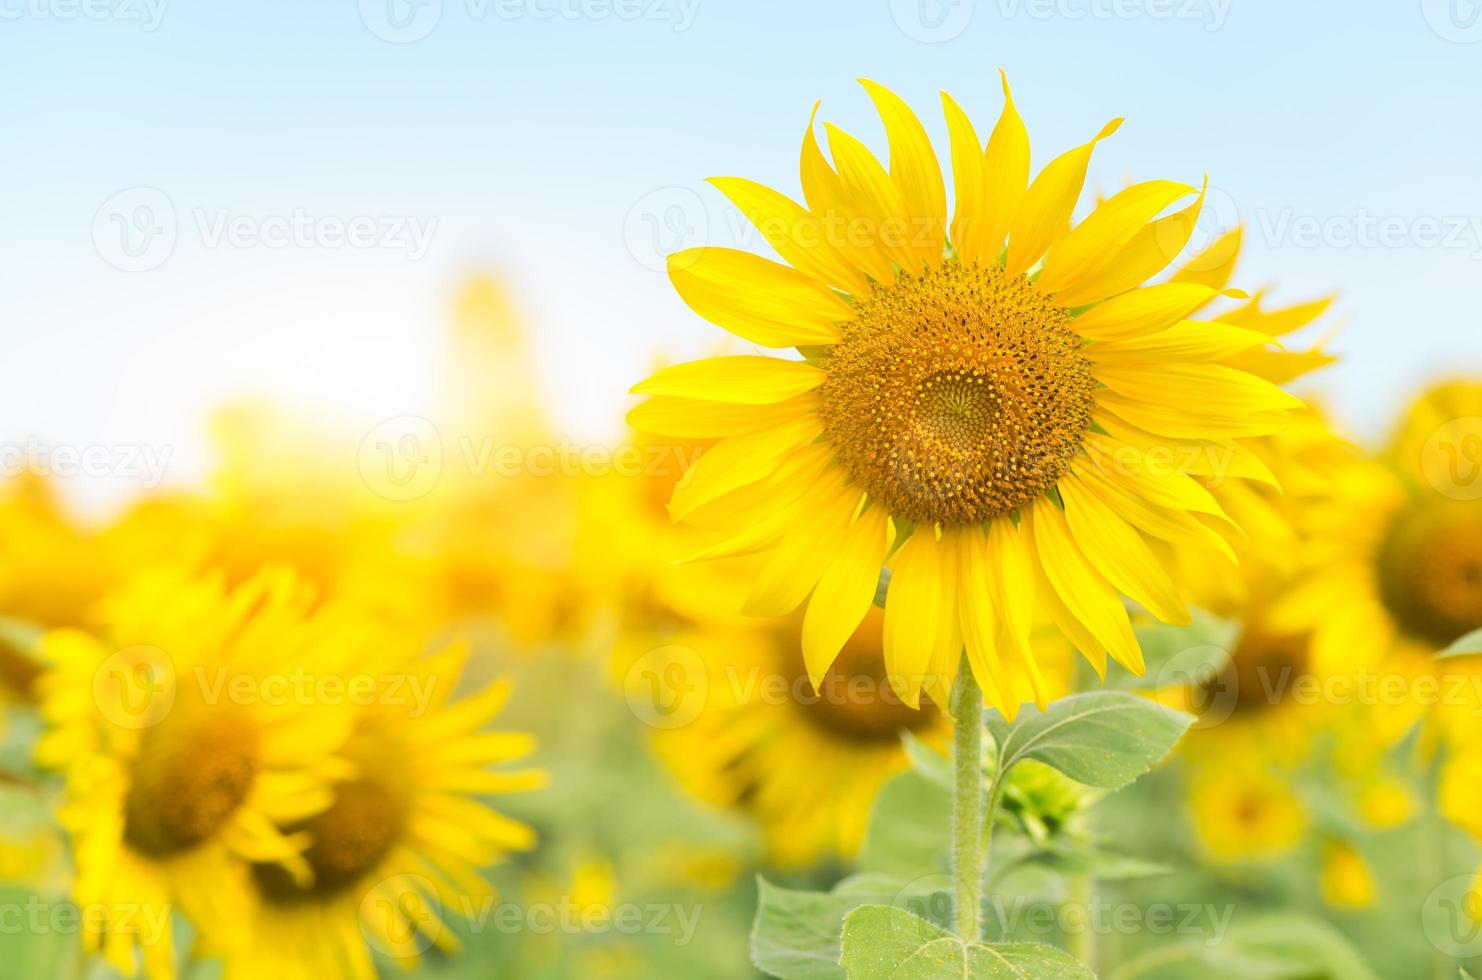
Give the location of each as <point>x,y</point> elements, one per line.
<point>1043,217</point>
<point>1105,231</point>
<point>914,168</point>
<point>1119,553</point>
<point>746,379</point>
<point>912,614</point>
<point>1144,256</point>
<point>684,418</point>
<point>799,236</point>
<point>1005,176</point>
<point>1146,310</point>
<point>845,591</point>
<point>824,191</point>
<point>805,551</point>
<point>967,182</point>
<point>757,299</point>
<point>978,617</point>
<point>876,201</point>
<point>1088,596</point>
<point>738,460</point>
<point>1215,266</point>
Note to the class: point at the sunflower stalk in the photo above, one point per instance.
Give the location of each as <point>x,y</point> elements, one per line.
<point>969,844</point>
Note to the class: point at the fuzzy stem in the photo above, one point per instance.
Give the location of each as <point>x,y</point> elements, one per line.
<point>968,844</point>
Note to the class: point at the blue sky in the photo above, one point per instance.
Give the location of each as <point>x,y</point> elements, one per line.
<point>563,145</point>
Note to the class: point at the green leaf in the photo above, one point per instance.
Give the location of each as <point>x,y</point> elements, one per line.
<point>1467,646</point>
<point>1094,863</point>
<point>796,933</point>
<point>1102,738</point>
<point>1181,654</point>
<point>884,943</point>
<point>1288,946</point>
<point>910,827</point>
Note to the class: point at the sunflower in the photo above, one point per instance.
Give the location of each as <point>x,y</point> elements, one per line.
<point>402,834</point>
<point>1394,559</point>
<point>174,774</point>
<point>805,764</point>
<point>974,404</point>
<point>1245,813</point>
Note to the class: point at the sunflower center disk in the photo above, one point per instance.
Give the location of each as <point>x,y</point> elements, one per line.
<point>1431,572</point>
<point>1259,674</point>
<point>347,841</point>
<point>958,396</point>
<point>189,777</point>
<point>855,701</point>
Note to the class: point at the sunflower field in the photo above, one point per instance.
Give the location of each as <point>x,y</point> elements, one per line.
<point>981,580</point>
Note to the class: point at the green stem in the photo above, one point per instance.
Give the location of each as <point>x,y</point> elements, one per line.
<point>969,846</point>
<point>1083,940</point>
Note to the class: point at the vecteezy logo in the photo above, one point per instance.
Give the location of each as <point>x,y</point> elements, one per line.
<point>397,919</point>
<point>402,458</point>
<point>932,21</point>
<point>1451,917</point>
<point>1217,215</point>
<point>135,687</point>
<point>1212,691</point>
<point>401,21</point>
<point>663,222</point>
<point>1454,20</point>
<point>135,230</point>
<point>667,687</point>
<point>1452,458</point>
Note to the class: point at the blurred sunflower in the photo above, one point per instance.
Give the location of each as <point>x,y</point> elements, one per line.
<point>1243,812</point>
<point>1395,561</point>
<point>401,835</point>
<point>979,395</point>
<point>171,777</point>
<point>806,763</point>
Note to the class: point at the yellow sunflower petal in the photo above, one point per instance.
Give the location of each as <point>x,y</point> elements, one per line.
<point>1187,340</point>
<point>1105,231</point>
<point>1168,523</point>
<point>914,168</point>
<point>738,460</point>
<point>1146,310</point>
<point>1043,217</point>
<point>912,611</point>
<point>876,201</point>
<point>1012,588</point>
<point>975,610</point>
<point>846,591</point>
<point>1214,266</point>
<point>1119,553</point>
<point>1089,597</point>
<point>967,183</point>
<point>757,299</point>
<point>1145,255</point>
<point>798,236</point>
<point>1189,422</point>
<point>684,418</point>
<point>829,201</point>
<point>744,379</point>
<point>1005,176</point>
<point>805,551</point>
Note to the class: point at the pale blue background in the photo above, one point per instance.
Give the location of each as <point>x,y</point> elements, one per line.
<point>545,145</point>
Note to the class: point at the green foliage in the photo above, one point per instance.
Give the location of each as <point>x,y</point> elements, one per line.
<point>885,943</point>
<point>797,934</point>
<point>1279,947</point>
<point>1102,738</point>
